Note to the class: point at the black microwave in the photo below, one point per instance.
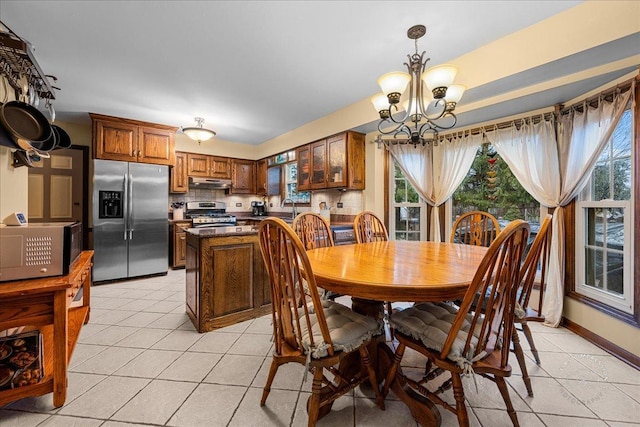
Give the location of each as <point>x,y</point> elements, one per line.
<point>39,249</point>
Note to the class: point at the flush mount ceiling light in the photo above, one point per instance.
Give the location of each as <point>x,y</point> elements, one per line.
<point>425,113</point>
<point>198,132</point>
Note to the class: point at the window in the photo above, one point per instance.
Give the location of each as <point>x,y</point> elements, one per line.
<point>291,185</point>
<point>408,212</point>
<point>491,187</point>
<point>604,217</point>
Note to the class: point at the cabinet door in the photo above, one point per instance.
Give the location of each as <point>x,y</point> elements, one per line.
<point>244,177</point>
<point>261,177</point>
<point>319,165</point>
<point>230,269</point>
<point>273,181</point>
<point>179,248</point>
<point>115,141</point>
<point>179,180</point>
<point>155,146</point>
<point>219,167</point>
<point>355,161</point>
<point>304,167</point>
<point>337,162</point>
<point>198,165</point>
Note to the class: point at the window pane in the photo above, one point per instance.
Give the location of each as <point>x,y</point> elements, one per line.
<point>615,264</point>
<point>600,181</point>
<point>401,219</point>
<point>595,226</point>
<point>622,136</point>
<point>401,191</point>
<point>593,267</point>
<point>615,228</point>
<point>622,179</point>
<point>413,236</point>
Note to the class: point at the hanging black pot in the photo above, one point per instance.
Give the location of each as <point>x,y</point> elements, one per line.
<point>26,125</point>
<point>63,138</point>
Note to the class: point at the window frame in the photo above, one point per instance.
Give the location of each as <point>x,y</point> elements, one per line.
<point>571,266</point>
<point>391,178</point>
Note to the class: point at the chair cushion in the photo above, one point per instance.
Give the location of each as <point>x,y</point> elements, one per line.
<point>348,330</point>
<point>430,323</point>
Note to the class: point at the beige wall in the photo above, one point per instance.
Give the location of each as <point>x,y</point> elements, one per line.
<point>13,185</point>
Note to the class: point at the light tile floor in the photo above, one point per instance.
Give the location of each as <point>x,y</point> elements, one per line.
<point>140,361</point>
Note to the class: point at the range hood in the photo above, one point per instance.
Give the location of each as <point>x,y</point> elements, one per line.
<point>209,183</point>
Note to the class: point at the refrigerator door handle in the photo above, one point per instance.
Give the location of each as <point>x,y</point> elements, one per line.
<point>126,206</point>
<point>130,208</point>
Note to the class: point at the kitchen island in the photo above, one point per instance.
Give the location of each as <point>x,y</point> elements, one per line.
<point>226,281</point>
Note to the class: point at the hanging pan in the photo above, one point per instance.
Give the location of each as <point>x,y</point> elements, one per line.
<point>28,127</point>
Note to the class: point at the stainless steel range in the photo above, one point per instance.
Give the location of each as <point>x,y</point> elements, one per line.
<point>209,214</point>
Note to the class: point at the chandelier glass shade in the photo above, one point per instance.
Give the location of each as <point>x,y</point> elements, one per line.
<point>430,104</point>
<point>198,132</point>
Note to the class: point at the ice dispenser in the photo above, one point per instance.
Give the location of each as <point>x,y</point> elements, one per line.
<point>110,204</point>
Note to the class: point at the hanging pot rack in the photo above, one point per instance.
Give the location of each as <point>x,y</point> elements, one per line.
<point>17,61</point>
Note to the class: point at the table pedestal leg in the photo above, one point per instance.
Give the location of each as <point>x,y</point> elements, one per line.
<point>422,409</point>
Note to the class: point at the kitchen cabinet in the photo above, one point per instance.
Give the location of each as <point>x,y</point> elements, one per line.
<point>205,166</point>
<point>179,180</point>
<point>178,245</point>
<point>56,306</point>
<point>129,140</point>
<point>261,177</point>
<point>226,281</point>
<point>335,162</point>
<point>243,177</point>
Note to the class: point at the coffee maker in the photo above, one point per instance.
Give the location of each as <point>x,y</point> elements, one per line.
<point>258,209</point>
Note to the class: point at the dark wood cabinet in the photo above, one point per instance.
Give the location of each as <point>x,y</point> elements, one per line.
<point>243,178</point>
<point>179,181</point>
<point>261,178</point>
<point>129,140</point>
<point>178,254</point>
<point>335,162</point>
<point>226,281</point>
<point>205,166</point>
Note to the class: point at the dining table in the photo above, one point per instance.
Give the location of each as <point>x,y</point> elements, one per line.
<point>396,271</point>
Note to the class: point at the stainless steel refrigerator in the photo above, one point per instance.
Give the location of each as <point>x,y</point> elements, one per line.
<point>130,232</point>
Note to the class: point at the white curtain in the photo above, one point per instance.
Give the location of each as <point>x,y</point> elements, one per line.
<point>555,171</point>
<point>435,171</point>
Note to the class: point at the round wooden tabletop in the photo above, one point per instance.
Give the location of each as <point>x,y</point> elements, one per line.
<point>397,270</point>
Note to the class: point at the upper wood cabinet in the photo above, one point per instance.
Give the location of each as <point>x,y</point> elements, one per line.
<point>261,177</point>
<point>129,140</point>
<point>179,182</point>
<point>335,162</point>
<point>243,180</point>
<point>206,166</point>
<point>274,186</point>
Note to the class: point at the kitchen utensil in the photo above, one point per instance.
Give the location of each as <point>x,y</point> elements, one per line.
<point>63,139</point>
<point>28,127</point>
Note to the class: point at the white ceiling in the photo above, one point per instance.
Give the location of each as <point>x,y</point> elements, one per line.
<point>258,69</point>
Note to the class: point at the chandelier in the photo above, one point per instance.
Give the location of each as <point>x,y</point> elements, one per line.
<point>425,111</point>
<point>198,132</point>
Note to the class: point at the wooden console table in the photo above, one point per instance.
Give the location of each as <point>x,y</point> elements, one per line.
<point>48,305</point>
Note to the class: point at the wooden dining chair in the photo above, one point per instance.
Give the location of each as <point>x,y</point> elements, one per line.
<point>367,227</point>
<point>314,232</point>
<point>475,228</point>
<point>310,331</point>
<point>538,255</point>
<point>461,341</point>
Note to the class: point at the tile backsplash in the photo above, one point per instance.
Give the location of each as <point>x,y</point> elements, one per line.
<point>352,201</point>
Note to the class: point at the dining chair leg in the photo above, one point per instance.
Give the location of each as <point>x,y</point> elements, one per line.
<point>393,369</point>
<point>515,339</point>
<point>366,361</point>
<point>527,333</point>
<point>313,408</point>
<point>504,391</point>
<point>458,395</point>
<point>267,387</point>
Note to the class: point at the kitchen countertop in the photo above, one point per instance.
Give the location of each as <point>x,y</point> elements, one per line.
<point>237,230</point>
